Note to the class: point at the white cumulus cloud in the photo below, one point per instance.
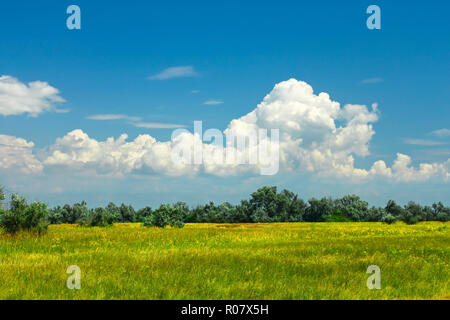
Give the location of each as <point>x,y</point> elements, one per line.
<point>16,155</point>
<point>33,98</point>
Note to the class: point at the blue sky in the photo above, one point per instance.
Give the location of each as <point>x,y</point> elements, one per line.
<point>238,52</point>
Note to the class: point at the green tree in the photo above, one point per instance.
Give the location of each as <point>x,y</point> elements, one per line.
<point>353,207</point>
<point>98,217</point>
<point>2,195</point>
<point>318,209</point>
<point>394,209</point>
<point>128,214</point>
<point>22,216</point>
<point>166,215</point>
<point>143,213</point>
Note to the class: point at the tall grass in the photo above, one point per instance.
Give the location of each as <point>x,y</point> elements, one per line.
<point>220,261</point>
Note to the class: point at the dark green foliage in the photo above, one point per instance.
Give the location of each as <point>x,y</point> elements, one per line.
<point>10,221</point>
<point>443,216</point>
<point>2,196</point>
<point>318,209</point>
<point>337,216</point>
<point>143,213</point>
<point>159,218</point>
<point>388,218</point>
<point>265,205</point>
<point>22,216</point>
<point>375,214</point>
<point>440,212</point>
<point>167,215</point>
<point>55,215</point>
<point>413,213</point>
<point>98,217</point>
<point>394,209</point>
<point>127,213</point>
<point>114,211</point>
<point>353,207</point>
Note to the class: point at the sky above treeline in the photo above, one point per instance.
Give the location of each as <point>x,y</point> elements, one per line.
<point>88,114</point>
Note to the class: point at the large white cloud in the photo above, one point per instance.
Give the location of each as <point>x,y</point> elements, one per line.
<point>317,135</point>
<point>113,156</point>
<point>309,137</point>
<point>32,99</point>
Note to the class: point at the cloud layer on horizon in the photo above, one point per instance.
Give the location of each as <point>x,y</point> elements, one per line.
<point>317,136</point>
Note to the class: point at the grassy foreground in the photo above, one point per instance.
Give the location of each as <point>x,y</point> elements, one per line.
<point>213,261</point>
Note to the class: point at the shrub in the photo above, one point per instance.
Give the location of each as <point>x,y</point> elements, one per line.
<point>409,218</point>
<point>22,216</point>
<point>177,224</point>
<point>352,207</point>
<point>394,209</point>
<point>166,215</point>
<point>35,217</point>
<point>443,216</point>
<point>10,221</point>
<point>317,209</point>
<point>55,216</point>
<point>388,218</point>
<point>127,213</point>
<point>98,217</point>
<point>159,218</point>
<point>2,196</point>
<point>375,214</point>
<point>336,216</point>
<point>143,213</point>
<point>259,215</point>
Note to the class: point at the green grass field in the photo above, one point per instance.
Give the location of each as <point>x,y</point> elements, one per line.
<point>213,261</point>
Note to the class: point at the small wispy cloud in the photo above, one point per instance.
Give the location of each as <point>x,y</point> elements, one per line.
<point>157,125</point>
<point>106,117</point>
<point>135,121</point>
<point>371,80</point>
<point>212,102</point>
<point>195,91</point>
<point>66,110</point>
<point>441,132</point>
<point>422,142</point>
<point>175,72</point>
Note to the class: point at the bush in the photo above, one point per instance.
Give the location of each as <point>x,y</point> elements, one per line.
<point>22,216</point>
<point>409,218</point>
<point>55,216</point>
<point>98,217</point>
<point>336,216</point>
<point>166,215</point>
<point>143,213</point>
<point>177,224</point>
<point>10,221</point>
<point>443,216</point>
<point>159,219</point>
<point>35,217</point>
<point>388,218</point>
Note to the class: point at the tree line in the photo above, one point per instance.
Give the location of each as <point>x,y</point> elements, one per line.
<point>264,205</point>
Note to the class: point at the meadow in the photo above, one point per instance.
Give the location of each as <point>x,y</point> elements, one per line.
<point>229,261</point>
